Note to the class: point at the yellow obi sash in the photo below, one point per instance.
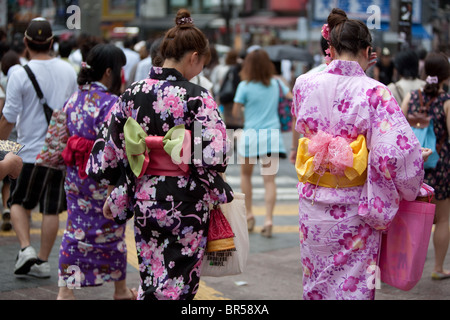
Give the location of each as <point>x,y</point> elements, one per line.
<point>323,164</point>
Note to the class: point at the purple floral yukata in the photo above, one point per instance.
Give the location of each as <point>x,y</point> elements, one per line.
<point>340,231</point>
<point>91,242</point>
<point>171,214</point>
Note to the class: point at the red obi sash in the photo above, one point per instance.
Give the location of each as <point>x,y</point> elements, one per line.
<point>77,153</point>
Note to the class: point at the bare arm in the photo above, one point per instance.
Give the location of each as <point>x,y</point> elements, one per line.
<point>447,114</point>
<point>5,128</point>
<point>295,137</point>
<point>405,103</point>
<point>237,107</point>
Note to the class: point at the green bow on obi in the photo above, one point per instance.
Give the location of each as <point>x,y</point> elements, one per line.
<point>165,156</point>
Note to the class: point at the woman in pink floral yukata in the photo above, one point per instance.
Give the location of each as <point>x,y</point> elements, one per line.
<point>358,158</point>
<point>161,152</point>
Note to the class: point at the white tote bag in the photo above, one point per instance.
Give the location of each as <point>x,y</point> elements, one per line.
<point>230,262</point>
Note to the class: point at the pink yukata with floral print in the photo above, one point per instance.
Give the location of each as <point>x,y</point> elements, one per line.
<point>340,228</point>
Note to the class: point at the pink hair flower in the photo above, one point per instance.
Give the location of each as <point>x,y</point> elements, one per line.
<point>326,31</point>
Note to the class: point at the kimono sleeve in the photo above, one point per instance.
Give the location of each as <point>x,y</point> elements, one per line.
<point>108,164</point>
<point>395,165</point>
<point>211,147</point>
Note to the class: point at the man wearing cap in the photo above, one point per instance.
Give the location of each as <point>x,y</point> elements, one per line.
<point>23,109</point>
<point>384,70</point>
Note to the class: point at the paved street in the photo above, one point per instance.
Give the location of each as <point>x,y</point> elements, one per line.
<point>273,270</point>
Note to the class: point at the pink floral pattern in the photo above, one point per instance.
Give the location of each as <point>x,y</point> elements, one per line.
<point>171,214</point>
<point>340,231</point>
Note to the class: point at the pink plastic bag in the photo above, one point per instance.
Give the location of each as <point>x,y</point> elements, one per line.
<point>404,246</point>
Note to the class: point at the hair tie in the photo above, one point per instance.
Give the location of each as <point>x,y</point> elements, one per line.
<point>431,80</point>
<point>185,20</point>
<point>84,65</point>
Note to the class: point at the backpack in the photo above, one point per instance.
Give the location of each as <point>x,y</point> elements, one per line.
<point>229,86</point>
<point>422,126</point>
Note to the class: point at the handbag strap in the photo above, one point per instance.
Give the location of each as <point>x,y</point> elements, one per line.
<point>424,108</point>
<point>47,110</point>
<point>399,91</point>
<point>280,89</point>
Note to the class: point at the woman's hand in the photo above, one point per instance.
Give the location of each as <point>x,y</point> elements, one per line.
<point>426,153</point>
<point>293,156</point>
<point>372,59</point>
<point>107,213</point>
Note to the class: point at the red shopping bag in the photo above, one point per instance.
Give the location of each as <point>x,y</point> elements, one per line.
<point>404,246</point>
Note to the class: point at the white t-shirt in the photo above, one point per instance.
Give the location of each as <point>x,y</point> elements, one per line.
<point>143,69</point>
<point>58,81</point>
<point>133,58</point>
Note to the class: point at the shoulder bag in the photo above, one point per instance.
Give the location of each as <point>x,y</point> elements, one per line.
<point>57,132</point>
<point>422,126</point>
<point>284,111</point>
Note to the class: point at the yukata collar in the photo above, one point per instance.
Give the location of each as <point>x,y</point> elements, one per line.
<point>94,86</point>
<point>166,74</point>
<point>345,68</point>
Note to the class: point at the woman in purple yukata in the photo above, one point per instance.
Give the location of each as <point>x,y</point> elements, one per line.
<point>358,158</point>
<point>162,152</point>
<point>93,249</point>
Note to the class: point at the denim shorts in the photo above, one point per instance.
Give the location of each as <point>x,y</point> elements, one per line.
<point>39,185</point>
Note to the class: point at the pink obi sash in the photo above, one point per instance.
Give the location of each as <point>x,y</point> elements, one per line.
<point>160,163</point>
<point>156,155</point>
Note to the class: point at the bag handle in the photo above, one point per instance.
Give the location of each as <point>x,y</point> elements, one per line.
<point>47,110</point>
<point>429,191</point>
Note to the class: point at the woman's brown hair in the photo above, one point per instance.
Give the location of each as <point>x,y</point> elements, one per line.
<point>257,67</point>
<point>184,37</point>
<point>436,65</point>
<point>347,35</point>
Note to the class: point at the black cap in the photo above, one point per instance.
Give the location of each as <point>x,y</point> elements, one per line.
<point>39,30</point>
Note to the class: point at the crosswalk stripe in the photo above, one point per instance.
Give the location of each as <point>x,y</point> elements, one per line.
<point>258,180</point>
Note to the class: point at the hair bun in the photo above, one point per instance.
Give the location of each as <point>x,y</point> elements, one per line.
<point>336,17</point>
<point>183,18</point>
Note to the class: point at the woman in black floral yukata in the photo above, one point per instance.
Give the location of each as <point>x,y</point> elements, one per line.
<point>162,152</point>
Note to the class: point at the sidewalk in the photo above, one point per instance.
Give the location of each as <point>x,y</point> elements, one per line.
<point>273,273</point>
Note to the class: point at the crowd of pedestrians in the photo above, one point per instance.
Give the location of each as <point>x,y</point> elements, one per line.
<point>124,107</point>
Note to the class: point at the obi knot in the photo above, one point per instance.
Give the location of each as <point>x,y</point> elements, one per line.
<point>334,161</point>
<point>77,153</point>
<point>167,155</point>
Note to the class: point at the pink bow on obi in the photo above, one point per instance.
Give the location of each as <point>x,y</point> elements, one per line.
<point>330,153</point>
